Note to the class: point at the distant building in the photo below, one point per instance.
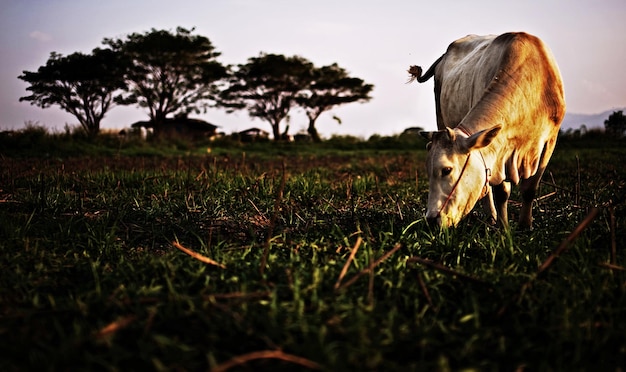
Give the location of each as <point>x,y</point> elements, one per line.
<point>302,137</point>
<point>180,126</point>
<point>253,134</point>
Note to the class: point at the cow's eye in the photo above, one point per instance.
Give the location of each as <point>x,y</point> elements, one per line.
<point>445,171</point>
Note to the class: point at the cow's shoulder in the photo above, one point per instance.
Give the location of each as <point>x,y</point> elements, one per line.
<point>522,39</point>
<point>520,48</point>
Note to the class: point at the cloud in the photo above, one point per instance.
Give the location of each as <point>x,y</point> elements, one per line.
<point>40,36</point>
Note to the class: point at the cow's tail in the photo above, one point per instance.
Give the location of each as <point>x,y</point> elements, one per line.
<point>415,72</point>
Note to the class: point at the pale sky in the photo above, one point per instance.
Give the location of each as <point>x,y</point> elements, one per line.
<point>374,40</point>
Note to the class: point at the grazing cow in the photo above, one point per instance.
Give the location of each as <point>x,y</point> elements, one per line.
<point>499,104</point>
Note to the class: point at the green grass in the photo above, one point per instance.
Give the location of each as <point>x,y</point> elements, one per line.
<point>87,244</point>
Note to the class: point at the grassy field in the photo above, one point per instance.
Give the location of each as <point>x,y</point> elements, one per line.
<point>301,257</point>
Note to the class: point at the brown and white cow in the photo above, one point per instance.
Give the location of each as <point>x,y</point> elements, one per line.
<point>499,102</point>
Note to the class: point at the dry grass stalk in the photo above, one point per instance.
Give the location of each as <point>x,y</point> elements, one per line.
<point>612,267</point>
<point>257,210</point>
<point>265,354</point>
<point>198,256</point>
<point>546,196</point>
<point>425,289</point>
<point>557,187</point>
<point>370,268</point>
<point>115,326</point>
<point>359,240</point>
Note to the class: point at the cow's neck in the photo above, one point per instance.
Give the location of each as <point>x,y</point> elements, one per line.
<point>490,157</point>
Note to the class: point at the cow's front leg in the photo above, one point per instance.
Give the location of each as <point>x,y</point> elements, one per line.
<point>489,207</point>
<point>501,195</point>
<point>528,189</point>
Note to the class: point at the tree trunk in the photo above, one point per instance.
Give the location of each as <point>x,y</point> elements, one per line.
<point>276,132</point>
<point>285,135</point>
<point>90,128</point>
<point>93,129</point>
<point>315,136</point>
<point>158,126</point>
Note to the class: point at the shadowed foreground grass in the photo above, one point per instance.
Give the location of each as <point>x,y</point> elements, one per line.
<point>92,277</point>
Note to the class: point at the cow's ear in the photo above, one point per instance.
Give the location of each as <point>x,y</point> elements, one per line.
<point>427,135</point>
<point>482,139</point>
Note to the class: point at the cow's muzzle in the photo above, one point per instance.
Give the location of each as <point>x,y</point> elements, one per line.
<point>434,220</point>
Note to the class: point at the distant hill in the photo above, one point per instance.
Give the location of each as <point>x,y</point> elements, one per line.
<point>575,121</point>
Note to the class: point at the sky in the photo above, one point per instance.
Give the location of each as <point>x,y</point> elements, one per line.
<point>373,40</point>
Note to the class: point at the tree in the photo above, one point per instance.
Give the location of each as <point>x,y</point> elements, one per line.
<point>81,84</point>
<point>267,86</point>
<point>171,73</point>
<point>330,87</point>
<point>616,123</point>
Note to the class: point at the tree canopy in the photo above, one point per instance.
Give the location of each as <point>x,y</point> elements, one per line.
<point>267,87</point>
<point>616,123</point>
<point>170,73</point>
<point>330,86</point>
<point>270,85</point>
<point>81,84</point>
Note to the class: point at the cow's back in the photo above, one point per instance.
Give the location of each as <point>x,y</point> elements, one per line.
<point>499,72</point>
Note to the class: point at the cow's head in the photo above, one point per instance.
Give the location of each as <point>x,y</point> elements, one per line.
<point>457,173</point>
